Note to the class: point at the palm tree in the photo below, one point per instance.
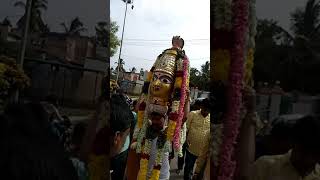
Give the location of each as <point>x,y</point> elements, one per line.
<point>36,21</point>
<point>306,28</point>
<point>75,28</point>
<point>294,59</point>
<point>306,22</point>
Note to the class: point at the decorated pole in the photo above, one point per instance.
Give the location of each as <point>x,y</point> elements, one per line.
<point>233,52</point>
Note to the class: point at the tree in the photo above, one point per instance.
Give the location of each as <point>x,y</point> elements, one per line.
<point>105,39</point>
<point>102,34</point>
<point>306,28</point>
<point>76,27</point>
<point>305,22</point>
<point>114,41</point>
<point>6,22</point>
<point>11,78</point>
<point>201,78</point>
<point>36,21</point>
<point>292,59</point>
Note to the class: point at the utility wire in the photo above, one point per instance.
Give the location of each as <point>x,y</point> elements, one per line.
<point>153,59</point>
<point>164,40</point>
<point>158,45</point>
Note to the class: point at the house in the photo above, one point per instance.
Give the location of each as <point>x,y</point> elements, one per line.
<point>73,49</point>
<point>8,34</point>
<point>131,76</point>
<point>73,67</point>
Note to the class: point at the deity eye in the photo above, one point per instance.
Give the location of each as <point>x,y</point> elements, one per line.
<point>166,80</point>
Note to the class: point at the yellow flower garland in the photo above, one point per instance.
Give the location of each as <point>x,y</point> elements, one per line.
<point>170,130</point>
<point>97,167</point>
<point>178,82</point>
<point>249,66</point>
<point>221,59</point>
<point>143,169</point>
<point>140,119</point>
<point>155,174</point>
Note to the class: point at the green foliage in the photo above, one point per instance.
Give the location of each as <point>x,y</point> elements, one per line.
<point>114,41</point>
<point>11,77</point>
<point>36,22</point>
<point>76,27</point>
<point>292,59</point>
<point>102,33</point>
<point>201,78</point>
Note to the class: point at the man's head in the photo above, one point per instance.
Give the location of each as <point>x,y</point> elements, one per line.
<point>306,150</point>
<point>205,107</point>
<point>52,99</point>
<point>120,122</point>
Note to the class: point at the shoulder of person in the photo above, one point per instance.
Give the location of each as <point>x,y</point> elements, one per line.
<point>315,174</point>
<point>270,161</point>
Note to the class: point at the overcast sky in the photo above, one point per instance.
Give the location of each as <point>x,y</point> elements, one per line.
<point>152,20</point>
<point>89,11</point>
<point>151,24</point>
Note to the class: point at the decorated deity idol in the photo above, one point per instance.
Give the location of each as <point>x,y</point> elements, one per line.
<point>161,113</point>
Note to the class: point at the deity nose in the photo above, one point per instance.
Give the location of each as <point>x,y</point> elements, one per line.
<point>156,85</point>
<point>157,82</point>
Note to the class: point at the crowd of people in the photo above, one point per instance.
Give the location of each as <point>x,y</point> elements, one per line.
<point>137,140</point>
<point>38,143</point>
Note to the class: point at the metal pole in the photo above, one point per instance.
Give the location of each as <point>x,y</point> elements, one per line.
<point>64,85</point>
<point>124,23</point>
<point>20,59</point>
<point>95,89</point>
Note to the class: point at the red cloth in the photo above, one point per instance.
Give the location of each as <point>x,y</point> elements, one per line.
<point>133,165</point>
<point>101,144</point>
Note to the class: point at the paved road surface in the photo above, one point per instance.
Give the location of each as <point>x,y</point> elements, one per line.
<point>174,167</point>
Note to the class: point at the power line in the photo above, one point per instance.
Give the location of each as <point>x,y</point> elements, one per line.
<point>153,59</point>
<point>128,39</point>
<point>159,45</point>
<point>164,43</point>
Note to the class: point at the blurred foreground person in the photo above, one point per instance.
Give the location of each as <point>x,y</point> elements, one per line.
<point>109,137</point>
<point>301,162</point>
<point>122,120</point>
<point>29,149</point>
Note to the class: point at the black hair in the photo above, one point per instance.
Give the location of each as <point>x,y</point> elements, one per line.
<point>53,99</point>
<point>121,116</point>
<point>134,103</point>
<point>282,131</point>
<point>206,104</point>
<point>29,149</point>
<point>182,43</point>
<point>78,133</point>
<point>306,132</point>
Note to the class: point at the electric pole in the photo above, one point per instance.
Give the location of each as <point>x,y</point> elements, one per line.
<point>121,42</point>
<point>20,59</point>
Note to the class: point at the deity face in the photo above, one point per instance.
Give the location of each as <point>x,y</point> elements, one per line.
<point>161,86</point>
